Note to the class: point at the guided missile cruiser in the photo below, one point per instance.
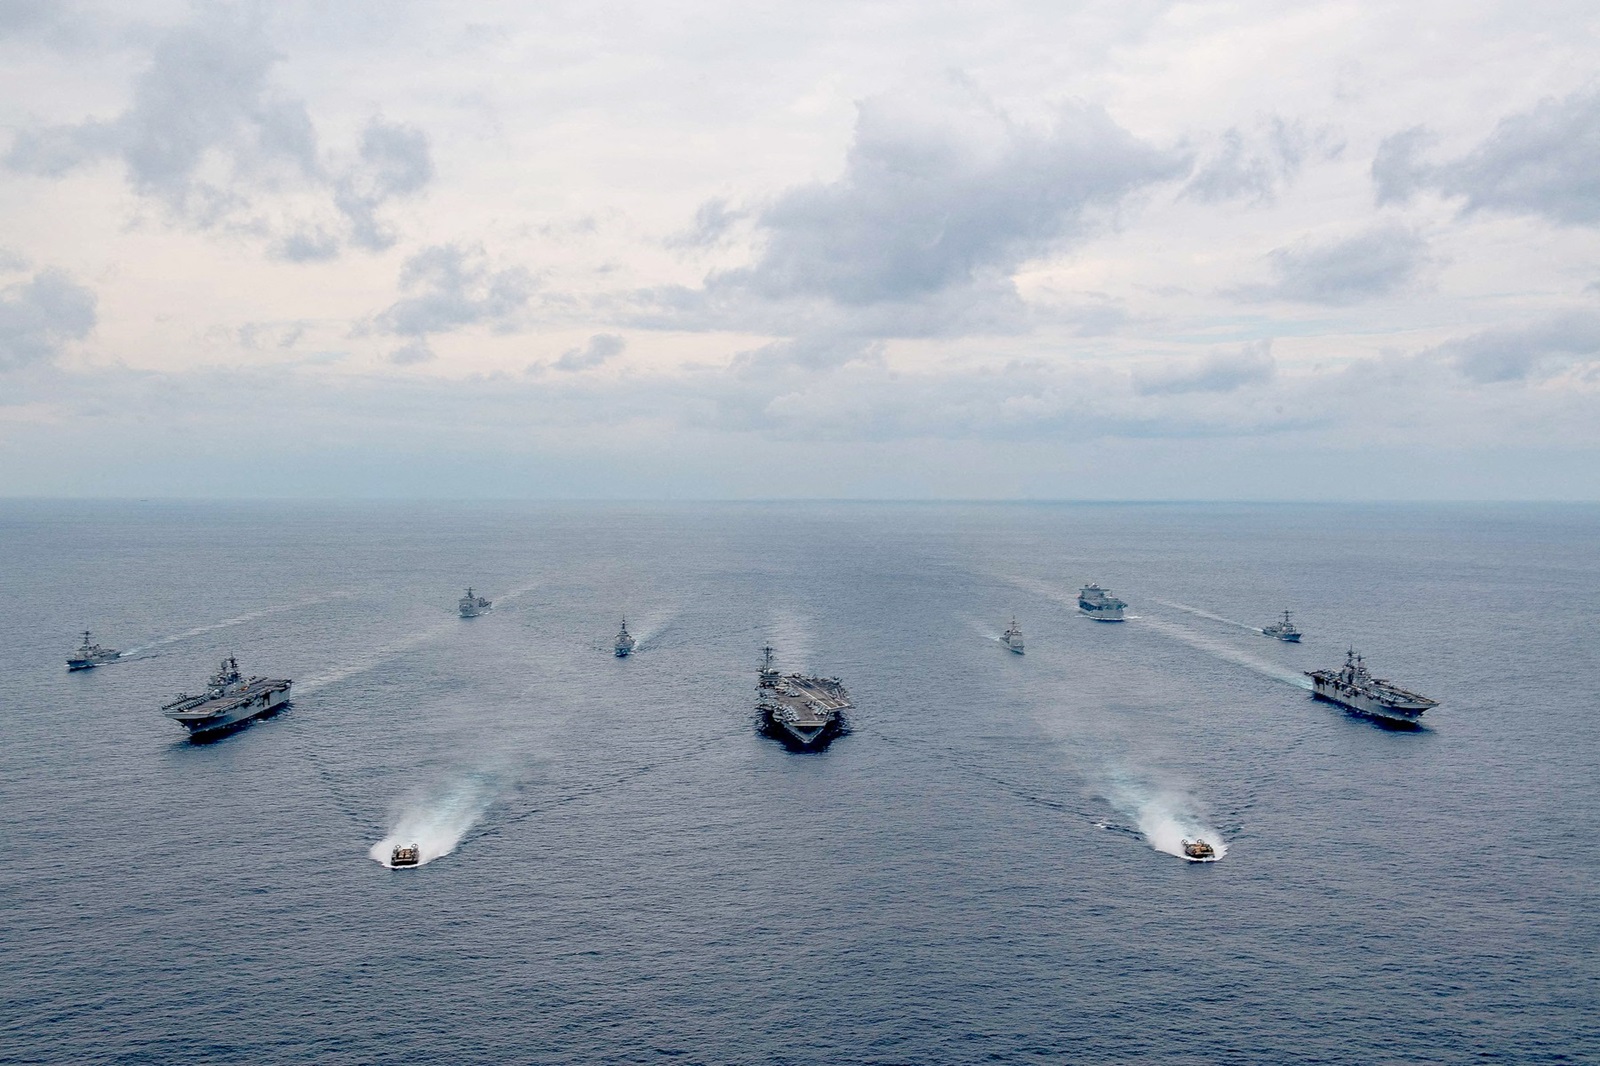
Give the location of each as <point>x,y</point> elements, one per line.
<point>473,605</point>
<point>90,655</point>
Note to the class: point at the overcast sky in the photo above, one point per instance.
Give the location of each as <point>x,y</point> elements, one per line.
<point>1124,250</point>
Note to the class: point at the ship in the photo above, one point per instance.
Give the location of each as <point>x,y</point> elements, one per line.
<point>473,605</point>
<point>803,712</point>
<point>90,655</point>
<point>1198,851</point>
<point>404,855</point>
<point>1012,638</point>
<point>230,700</point>
<point>1353,688</point>
<point>1099,604</point>
<point>625,641</point>
<point>1283,630</point>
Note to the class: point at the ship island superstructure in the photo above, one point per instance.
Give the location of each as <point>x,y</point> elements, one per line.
<point>803,712</point>
<point>1353,687</point>
<point>1012,637</point>
<point>90,655</point>
<point>472,605</point>
<point>625,642</point>
<point>229,701</point>
<point>1283,630</point>
<point>1099,604</point>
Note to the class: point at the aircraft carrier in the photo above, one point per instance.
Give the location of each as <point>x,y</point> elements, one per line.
<point>1352,687</point>
<point>803,712</point>
<point>230,700</point>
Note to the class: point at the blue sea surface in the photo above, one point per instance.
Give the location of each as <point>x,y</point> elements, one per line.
<point>621,869</point>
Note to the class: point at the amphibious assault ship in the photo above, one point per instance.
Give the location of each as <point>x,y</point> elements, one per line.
<point>1352,687</point>
<point>473,605</point>
<point>1283,630</point>
<point>1012,638</point>
<point>1099,604</point>
<point>89,655</point>
<point>230,700</point>
<point>625,641</point>
<point>803,712</point>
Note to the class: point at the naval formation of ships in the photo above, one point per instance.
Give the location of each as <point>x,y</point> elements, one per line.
<point>802,711</point>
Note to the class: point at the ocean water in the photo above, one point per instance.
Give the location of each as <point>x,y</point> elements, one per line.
<point>620,869</point>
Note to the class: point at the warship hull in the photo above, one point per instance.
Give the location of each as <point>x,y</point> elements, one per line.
<point>1409,713</point>
<point>91,662</point>
<point>216,717</point>
<point>802,738</point>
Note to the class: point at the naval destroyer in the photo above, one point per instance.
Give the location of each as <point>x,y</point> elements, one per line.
<point>90,655</point>
<point>1352,687</point>
<point>230,700</point>
<point>803,712</point>
<point>473,605</point>
<point>1099,604</point>
<point>1012,638</point>
<point>1283,630</point>
<point>625,641</point>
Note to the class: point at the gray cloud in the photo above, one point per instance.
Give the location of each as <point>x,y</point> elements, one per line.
<point>394,161</point>
<point>40,315</point>
<point>601,347</point>
<point>413,352</point>
<point>712,221</point>
<point>1373,263</point>
<point>1514,353</point>
<point>932,202</point>
<point>207,134</point>
<point>1252,365</point>
<point>452,287</point>
<point>1543,162</point>
<point>1254,168</point>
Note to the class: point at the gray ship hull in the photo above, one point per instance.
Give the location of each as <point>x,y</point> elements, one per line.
<point>1407,713</point>
<point>217,717</point>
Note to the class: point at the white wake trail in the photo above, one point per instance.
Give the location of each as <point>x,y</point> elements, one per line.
<point>1207,614</point>
<point>436,822</point>
<point>1166,816</point>
<point>1223,651</point>
<point>238,620</point>
<point>377,657</point>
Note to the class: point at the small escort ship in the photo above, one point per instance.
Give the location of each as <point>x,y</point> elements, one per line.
<point>473,605</point>
<point>803,712</point>
<point>1352,687</point>
<point>1099,604</point>
<point>90,655</point>
<point>404,855</point>
<point>625,642</point>
<point>1012,638</point>
<point>1283,630</point>
<point>230,700</point>
<point>1198,851</point>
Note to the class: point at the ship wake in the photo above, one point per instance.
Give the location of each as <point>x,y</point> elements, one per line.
<point>1165,816</point>
<point>1199,613</point>
<point>437,822</point>
<point>373,659</point>
<point>1203,643</point>
<point>227,623</point>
